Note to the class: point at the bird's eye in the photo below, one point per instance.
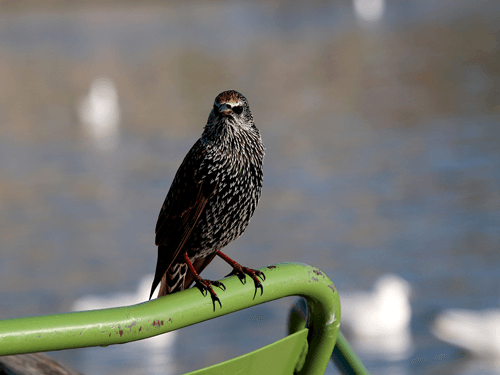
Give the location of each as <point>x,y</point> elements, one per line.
<point>238,109</point>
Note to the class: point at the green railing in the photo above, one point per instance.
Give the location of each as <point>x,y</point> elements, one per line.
<point>137,322</point>
<point>343,356</point>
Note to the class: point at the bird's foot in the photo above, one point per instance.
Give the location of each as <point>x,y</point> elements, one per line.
<point>240,271</point>
<point>205,286</point>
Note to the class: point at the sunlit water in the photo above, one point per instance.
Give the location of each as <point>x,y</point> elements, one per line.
<point>382,156</point>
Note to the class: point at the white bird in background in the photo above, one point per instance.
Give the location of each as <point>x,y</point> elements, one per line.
<point>369,10</point>
<point>380,320</point>
<point>475,331</point>
<point>155,355</point>
<point>99,114</point>
<point>92,302</point>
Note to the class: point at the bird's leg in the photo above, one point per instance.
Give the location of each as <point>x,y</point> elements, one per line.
<point>240,271</point>
<point>204,285</point>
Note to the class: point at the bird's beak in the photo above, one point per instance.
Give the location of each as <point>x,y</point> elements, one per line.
<point>225,109</point>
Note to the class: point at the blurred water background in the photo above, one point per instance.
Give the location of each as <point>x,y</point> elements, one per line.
<point>383,156</point>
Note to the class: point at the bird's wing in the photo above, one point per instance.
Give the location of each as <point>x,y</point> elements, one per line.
<point>181,210</point>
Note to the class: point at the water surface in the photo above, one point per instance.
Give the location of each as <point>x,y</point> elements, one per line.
<point>382,156</point>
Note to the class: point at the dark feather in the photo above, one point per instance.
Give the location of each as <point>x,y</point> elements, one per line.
<point>213,196</point>
<point>183,205</point>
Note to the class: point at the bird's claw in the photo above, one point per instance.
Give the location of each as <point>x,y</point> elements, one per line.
<point>260,274</point>
<point>205,286</point>
<point>257,286</point>
<point>218,284</point>
<point>254,274</point>
<point>238,272</point>
<point>216,299</point>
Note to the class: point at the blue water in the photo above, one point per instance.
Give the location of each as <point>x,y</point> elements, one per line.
<point>382,156</point>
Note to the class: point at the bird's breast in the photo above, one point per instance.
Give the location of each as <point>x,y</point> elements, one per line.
<point>231,206</point>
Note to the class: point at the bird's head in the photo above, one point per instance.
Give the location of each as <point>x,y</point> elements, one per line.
<point>231,105</point>
<point>230,115</point>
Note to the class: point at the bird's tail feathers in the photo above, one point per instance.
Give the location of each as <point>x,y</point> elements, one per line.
<point>173,280</point>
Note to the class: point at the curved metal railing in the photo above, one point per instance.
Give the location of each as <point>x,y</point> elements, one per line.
<point>137,322</point>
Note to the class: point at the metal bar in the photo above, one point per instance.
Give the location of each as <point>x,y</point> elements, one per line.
<point>137,322</point>
<point>343,356</point>
<point>346,359</point>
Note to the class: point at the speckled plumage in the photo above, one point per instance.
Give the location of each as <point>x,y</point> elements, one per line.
<point>212,197</point>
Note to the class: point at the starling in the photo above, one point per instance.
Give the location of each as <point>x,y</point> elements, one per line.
<point>211,200</point>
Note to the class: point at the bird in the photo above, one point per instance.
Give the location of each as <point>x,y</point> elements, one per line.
<point>211,200</point>
<point>379,321</point>
<point>99,114</point>
<point>386,310</point>
<point>476,331</point>
<point>95,302</point>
